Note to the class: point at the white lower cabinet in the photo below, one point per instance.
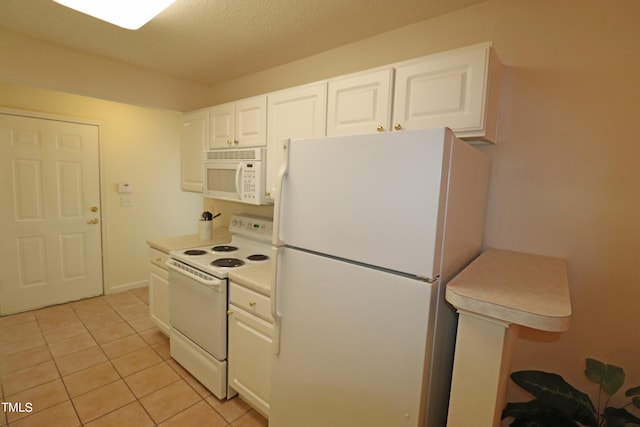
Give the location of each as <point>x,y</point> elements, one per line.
<point>159,289</point>
<point>250,337</point>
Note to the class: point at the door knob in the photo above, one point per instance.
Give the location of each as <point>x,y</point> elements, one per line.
<point>93,221</point>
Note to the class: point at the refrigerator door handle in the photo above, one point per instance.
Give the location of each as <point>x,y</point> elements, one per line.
<point>275,314</point>
<point>284,169</point>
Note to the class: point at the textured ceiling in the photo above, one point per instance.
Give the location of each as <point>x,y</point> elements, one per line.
<point>211,41</point>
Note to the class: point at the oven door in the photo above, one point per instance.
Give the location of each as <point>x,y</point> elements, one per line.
<point>198,308</point>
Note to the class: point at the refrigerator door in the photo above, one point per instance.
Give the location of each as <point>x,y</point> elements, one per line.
<point>374,199</point>
<point>355,345</point>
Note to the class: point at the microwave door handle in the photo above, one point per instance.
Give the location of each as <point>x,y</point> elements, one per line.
<point>238,178</point>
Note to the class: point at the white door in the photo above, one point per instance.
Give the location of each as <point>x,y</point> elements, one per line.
<point>221,126</point>
<point>251,122</point>
<point>193,143</point>
<point>445,89</point>
<point>299,112</point>
<point>354,345</point>
<point>379,195</point>
<point>50,232</point>
<point>250,357</point>
<point>360,103</point>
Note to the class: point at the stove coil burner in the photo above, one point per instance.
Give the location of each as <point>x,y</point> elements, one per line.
<point>257,257</point>
<point>227,262</point>
<point>195,252</point>
<point>224,248</point>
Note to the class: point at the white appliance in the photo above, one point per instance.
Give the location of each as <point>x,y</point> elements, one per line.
<point>199,298</point>
<point>236,174</point>
<point>367,231</point>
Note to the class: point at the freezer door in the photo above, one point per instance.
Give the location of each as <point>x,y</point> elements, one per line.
<point>374,199</point>
<point>355,345</point>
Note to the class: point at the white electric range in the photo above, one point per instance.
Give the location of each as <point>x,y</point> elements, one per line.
<point>199,298</point>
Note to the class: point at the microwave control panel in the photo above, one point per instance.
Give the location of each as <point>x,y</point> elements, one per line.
<point>249,182</point>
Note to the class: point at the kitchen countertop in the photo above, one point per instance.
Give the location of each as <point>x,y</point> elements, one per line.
<point>167,244</point>
<point>528,290</point>
<point>257,278</point>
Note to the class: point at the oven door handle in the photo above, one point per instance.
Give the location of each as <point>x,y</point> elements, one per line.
<point>212,283</point>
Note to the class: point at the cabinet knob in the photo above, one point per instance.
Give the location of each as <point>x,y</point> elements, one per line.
<point>236,142</point>
<point>380,128</point>
<point>252,303</point>
<point>228,142</point>
<point>93,221</point>
<point>229,312</point>
<point>397,126</point>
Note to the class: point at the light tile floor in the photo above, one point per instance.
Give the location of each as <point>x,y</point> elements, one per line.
<point>102,362</point>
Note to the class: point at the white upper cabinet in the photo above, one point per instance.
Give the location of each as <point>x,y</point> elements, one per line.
<point>239,124</point>
<point>193,142</point>
<point>298,112</point>
<point>458,89</point>
<point>360,103</point>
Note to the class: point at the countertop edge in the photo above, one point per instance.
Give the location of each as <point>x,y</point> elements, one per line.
<point>514,277</point>
<point>509,314</point>
<point>256,278</point>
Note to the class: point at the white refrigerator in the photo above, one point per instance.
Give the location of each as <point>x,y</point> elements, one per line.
<point>367,231</point>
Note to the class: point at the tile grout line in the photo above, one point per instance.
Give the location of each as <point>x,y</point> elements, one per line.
<point>73,308</point>
<point>110,360</point>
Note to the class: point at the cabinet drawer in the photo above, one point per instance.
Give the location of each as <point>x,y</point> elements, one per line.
<point>158,258</point>
<point>250,301</point>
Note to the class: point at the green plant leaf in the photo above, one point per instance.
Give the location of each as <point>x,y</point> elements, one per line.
<point>535,414</point>
<point>609,377</point>
<point>553,391</point>
<point>636,401</point>
<point>595,371</point>
<point>633,391</point>
<point>619,417</point>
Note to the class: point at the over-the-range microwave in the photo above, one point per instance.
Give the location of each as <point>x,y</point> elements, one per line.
<point>237,174</point>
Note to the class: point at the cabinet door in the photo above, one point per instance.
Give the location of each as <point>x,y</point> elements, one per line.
<point>299,112</point>
<point>360,103</point>
<point>443,90</point>
<point>159,297</point>
<point>221,126</point>
<point>251,122</point>
<point>250,358</point>
<point>193,142</point>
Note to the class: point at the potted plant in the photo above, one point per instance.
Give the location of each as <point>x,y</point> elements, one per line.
<point>558,404</point>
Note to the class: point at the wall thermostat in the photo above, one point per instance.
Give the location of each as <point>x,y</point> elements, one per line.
<point>124,188</point>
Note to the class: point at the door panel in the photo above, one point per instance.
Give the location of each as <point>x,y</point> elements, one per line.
<point>351,339</point>
<point>360,103</point>
<point>387,189</point>
<point>50,244</point>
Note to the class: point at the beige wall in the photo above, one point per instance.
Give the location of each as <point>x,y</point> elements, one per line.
<point>30,61</point>
<point>564,178</point>
<point>139,146</point>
